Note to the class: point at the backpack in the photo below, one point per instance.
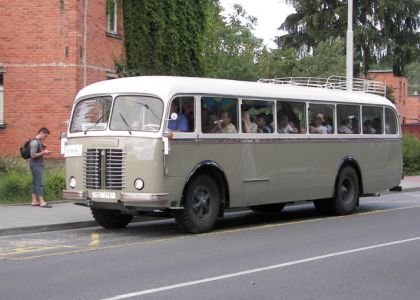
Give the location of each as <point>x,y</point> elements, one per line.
<point>25,151</point>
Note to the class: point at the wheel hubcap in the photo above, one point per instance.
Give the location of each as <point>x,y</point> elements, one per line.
<point>201,201</point>
<point>346,190</point>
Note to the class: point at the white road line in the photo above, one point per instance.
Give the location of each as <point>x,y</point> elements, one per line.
<point>246,272</point>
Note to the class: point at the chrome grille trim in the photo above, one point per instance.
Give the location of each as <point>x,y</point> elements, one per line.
<point>104,169</point>
<point>115,169</point>
<point>92,163</point>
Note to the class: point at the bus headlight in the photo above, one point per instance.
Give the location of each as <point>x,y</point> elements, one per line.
<point>72,182</point>
<point>139,184</point>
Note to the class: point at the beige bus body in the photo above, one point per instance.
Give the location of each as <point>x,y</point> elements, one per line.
<point>249,169</point>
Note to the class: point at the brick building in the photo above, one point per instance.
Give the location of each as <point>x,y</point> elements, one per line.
<point>407,105</point>
<point>48,51</point>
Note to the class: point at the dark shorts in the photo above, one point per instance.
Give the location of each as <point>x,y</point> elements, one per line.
<point>37,180</point>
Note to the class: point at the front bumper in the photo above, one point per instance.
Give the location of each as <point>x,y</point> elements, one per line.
<point>74,195</point>
<point>127,199</point>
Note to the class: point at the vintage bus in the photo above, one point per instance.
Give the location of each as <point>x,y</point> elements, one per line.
<point>197,147</point>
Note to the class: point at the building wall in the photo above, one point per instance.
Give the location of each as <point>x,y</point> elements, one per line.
<point>47,59</point>
<point>398,85</point>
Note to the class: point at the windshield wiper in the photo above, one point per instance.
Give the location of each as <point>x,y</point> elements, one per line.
<point>96,123</point>
<point>126,123</point>
<point>148,108</point>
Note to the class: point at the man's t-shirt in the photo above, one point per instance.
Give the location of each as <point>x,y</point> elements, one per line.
<point>180,124</point>
<point>36,146</point>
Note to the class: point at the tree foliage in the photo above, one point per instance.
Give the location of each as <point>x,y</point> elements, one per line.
<point>230,48</point>
<point>164,37</point>
<point>381,28</point>
<point>327,59</point>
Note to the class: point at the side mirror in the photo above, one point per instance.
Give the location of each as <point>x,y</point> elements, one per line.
<point>63,141</point>
<point>174,116</point>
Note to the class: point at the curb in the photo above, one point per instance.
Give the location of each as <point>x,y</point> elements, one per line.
<point>46,228</point>
<point>407,190</point>
<point>66,226</point>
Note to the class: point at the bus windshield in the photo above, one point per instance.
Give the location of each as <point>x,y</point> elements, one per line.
<point>91,114</point>
<point>136,113</point>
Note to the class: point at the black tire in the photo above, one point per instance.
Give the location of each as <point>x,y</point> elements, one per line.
<point>346,192</point>
<point>201,205</point>
<point>268,208</point>
<point>111,219</point>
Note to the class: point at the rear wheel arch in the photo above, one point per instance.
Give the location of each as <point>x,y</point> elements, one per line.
<point>352,162</point>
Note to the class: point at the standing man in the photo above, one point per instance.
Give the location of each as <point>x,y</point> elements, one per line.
<point>36,163</point>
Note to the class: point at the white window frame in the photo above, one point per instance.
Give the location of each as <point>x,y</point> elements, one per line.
<point>112,28</point>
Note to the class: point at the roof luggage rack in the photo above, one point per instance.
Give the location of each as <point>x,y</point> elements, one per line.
<point>332,82</point>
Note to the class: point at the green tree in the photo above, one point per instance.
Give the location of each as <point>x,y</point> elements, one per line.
<point>230,48</point>
<point>381,28</point>
<point>413,74</point>
<point>327,59</point>
<point>164,37</point>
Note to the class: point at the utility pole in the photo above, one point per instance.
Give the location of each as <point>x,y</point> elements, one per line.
<point>349,44</point>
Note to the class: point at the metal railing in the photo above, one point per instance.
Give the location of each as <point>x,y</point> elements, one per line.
<point>332,82</point>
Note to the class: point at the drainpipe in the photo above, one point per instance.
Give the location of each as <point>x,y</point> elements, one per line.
<point>86,4</point>
<point>349,43</point>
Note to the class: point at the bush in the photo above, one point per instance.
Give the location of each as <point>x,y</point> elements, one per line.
<point>411,155</point>
<point>16,181</point>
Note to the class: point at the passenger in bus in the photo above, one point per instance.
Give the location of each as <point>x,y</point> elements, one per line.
<point>189,113</point>
<point>356,127</point>
<point>317,127</point>
<point>224,125</point>
<point>262,124</point>
<point>284,126</point>
<point>368,127</point>
<point>327,123</point>
<point>247,125</point>
<point>346,126</point>
<point>377,124</point>
<point>181,123</point>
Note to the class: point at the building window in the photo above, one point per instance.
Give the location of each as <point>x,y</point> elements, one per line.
<point>112,15</point>
<point>1,100</point>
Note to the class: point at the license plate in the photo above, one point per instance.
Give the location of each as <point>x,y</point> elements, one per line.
<point>103,195</point>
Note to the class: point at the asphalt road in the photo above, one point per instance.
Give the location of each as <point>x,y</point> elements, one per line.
<point>372,254</point>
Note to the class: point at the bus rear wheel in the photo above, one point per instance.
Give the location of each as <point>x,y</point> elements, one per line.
<point>346,192</point>
<point>201,205</point>
<point>268,208</point>
<point>111,219</point>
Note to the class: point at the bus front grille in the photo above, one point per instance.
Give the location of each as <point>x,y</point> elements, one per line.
<point>115,168</point>
<point>104,169</point>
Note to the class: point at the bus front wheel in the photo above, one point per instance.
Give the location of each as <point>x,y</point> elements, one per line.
<point>201,205</point>
<point>346,192</point>
<point>111,219</point>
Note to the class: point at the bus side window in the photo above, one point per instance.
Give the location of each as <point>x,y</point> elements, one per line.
<point>219,115</point>
<point>257,116</point>
<point>348,119</point>
<point>390,122</point>
<point>321,117</point>
<point>291,117</point>
<point>372,118</point>
<point>184,108</point>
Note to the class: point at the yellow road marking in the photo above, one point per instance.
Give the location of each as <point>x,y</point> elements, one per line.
<point>221,232</point>
<point>95,240</point>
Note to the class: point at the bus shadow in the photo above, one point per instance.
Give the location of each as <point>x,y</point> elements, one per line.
<point>232,220</point>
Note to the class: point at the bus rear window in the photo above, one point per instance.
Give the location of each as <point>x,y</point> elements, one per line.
<point>91,114</point>
<point>390,122</point>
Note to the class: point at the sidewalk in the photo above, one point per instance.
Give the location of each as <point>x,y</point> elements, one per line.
<point>16,219</point>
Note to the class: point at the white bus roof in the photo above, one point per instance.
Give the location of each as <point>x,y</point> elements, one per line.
<point>165,87</point>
